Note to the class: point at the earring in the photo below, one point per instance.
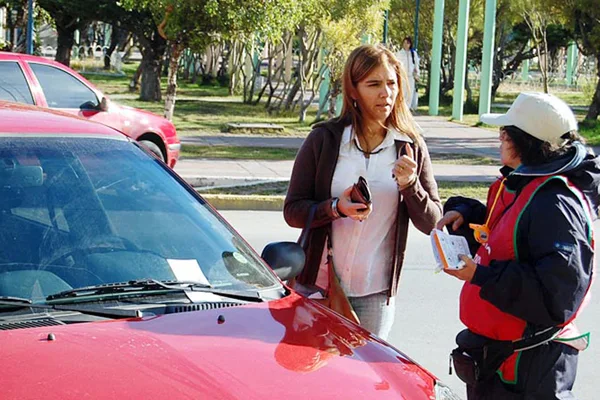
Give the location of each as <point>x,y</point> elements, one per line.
<point>354,104</point>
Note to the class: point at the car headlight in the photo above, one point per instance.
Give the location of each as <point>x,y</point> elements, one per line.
<point>443,392</point>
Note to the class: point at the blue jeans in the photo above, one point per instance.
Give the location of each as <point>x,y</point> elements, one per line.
<point>374,313</point>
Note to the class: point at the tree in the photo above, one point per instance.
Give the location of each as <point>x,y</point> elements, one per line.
<point>402,18</point>
<point>68,16</point>
<point>348,22</point>
<point>326,33</point>
<point>19,7</point>
<point>584,19</point>
<point>72,15</point>
<point>539,15</point>
<point>212,19</point>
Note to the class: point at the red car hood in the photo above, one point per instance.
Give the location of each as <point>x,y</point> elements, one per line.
<point>285,349</point>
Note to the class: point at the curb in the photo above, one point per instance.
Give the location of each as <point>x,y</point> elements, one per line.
<point>219,182</point>
<point>241,202</point>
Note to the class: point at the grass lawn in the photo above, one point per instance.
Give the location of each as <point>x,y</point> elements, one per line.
<point>590,130</point>
<point>274,153</point>
<point>476,190</point>
<point>208,109</point>
<point>238,153</point>
<point>201,108</point>
<point>210,115</point>
<point>461,159</point>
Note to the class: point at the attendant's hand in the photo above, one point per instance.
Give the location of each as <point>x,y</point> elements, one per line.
<point>467,272</point>
<point>451,217</point>
<point>405,168</point>
<point>355,211</point>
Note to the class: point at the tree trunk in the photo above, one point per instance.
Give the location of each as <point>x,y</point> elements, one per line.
<point>594,109</point>
<point>287,105</point>
<point>545,61</point>
<point>135,80</point>
<point>66,38</point>
<point>114,42</point>
<point>150,82</point>
<point>334,93</point>
<point>176,51</point>
<point>152,55</point>
<point>302,79</point>
<point>11,33</point>
<point>467,86</point>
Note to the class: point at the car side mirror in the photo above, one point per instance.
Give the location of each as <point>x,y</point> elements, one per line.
<point>104,104</point>
<point>285,258</point>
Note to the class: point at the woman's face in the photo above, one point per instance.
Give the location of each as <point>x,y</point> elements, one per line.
<point>508,155</point>
<point>406,45</point>
<point>376,94</point>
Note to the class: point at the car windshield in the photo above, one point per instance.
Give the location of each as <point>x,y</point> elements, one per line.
<point>88,211</point>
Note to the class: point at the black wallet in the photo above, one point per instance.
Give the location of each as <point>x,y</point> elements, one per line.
<point>360,192</point>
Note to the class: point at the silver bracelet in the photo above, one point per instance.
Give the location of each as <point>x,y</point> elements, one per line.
<point>334,209</point>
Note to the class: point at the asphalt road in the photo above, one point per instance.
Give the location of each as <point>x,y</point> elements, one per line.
<point>427,304</point>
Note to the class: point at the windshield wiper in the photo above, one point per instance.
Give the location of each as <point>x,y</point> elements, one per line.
<point>110,288</point>
<point>246,295</point>
<point>19,302</point>
<point>152,284</point>
<point>10,300</point>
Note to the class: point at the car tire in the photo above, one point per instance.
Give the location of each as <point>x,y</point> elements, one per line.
<point>154,149</point>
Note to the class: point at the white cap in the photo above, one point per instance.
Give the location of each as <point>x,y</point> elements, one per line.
<point>541,115</point>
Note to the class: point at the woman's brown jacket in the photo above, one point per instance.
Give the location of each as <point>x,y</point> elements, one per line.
<point>311,184</point>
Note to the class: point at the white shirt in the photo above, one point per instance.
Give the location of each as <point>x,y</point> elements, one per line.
<point>412,69</point>
<point>363,251</point>
<point>406,59</point>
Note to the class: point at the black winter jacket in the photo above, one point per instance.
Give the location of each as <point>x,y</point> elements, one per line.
<point>549,282</point>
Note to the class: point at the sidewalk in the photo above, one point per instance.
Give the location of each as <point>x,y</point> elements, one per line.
<point>440,135</point>
<point>227,173</point>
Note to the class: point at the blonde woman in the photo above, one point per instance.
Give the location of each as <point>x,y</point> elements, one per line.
<point>376,138</point>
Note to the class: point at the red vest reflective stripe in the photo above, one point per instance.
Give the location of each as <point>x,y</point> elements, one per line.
<point>479,315</point>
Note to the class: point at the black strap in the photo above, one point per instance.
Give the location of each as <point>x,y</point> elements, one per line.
<point>537,339</point>
<point>304,235</point>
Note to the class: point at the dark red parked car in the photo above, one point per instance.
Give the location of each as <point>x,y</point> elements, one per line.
<point>117,280</point>
<point>39,81</point>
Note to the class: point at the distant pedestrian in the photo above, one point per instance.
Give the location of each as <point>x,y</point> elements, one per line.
<point>410,63</point>
<point>532,271</point>
<point>376,138</point>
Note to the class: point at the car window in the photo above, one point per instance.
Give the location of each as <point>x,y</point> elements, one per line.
<point>63,90</point>
<point>13,85</point>
<point>99,211</point>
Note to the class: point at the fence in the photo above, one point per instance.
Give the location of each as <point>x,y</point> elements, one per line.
<point>89,57</point>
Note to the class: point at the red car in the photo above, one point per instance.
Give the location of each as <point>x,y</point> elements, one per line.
<point>117,280</point>
<point>39,81</point>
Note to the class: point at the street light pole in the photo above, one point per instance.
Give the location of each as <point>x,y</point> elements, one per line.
<point>30,27</point>
<point>460,63</point>
<point>416,35</point>
<point>487,59</point>
<point>386,16</point>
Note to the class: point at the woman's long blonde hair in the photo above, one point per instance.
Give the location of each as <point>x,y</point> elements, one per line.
<point>360,63</point>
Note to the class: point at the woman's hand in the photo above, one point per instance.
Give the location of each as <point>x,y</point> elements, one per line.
<point>355,211</point>
<point>405,168</point>
<point>451,217</point>
<point>467,272</point>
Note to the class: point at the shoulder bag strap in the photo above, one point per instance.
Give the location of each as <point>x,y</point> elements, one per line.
<point>304,235</point>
